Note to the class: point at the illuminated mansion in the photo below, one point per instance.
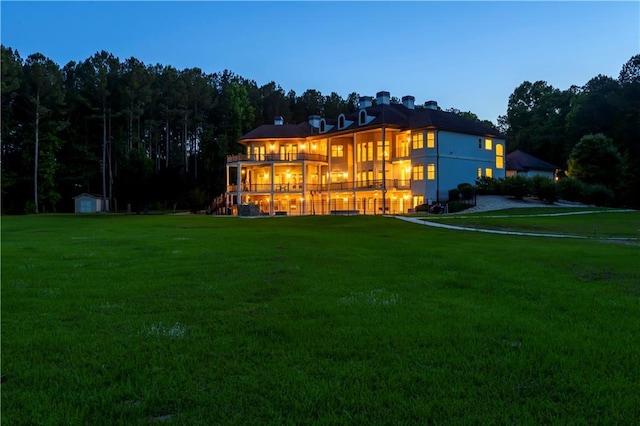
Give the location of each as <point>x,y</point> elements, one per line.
<point>340,165</point>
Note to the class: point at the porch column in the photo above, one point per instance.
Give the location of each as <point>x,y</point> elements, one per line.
<point>239,187</point>
<point>273,179</point>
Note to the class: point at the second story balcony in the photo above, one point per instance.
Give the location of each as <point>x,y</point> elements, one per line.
<point>333,186</point>
<point>277,157</point>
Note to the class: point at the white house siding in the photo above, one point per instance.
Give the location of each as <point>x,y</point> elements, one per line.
<point>457,159</point>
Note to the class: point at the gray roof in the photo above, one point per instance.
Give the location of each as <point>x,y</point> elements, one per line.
<point>396,115</point>
<point>518,160</point>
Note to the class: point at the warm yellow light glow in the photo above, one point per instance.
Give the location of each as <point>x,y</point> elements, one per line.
<point>313,146</point>
<point>301,198</point>
<point>272,147</point>
<point>346,198</point>
<point>406,196</point>
<point>303,146</point>
<point>487,144</point>
<point>268,199</point>
<point>266,175</point>
<point>244,171</point>
<point>345,174</point>
<point>408,169</point>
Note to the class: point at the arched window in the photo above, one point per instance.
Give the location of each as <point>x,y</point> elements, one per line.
<point>322,126</point>
<point>363,117</point>
<point>341,121</point>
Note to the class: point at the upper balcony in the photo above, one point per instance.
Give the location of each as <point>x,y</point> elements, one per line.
<point>333,186</point>
<point>275,157</point>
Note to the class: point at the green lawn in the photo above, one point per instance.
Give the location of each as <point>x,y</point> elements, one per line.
<point>595,223</point>
<point>333,320</point>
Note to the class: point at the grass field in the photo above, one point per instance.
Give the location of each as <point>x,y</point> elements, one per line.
<point>332,320</point>
<point>587,222</point>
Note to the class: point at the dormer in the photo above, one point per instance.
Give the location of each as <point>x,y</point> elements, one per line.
<point>364,118</point>
<point>324,127</point>
<point>343,123</point>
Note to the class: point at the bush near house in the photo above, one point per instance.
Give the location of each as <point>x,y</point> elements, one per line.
<point>570,189</point>
<point>544,189</point>
<point>516,186</point>
<point>488,186</point>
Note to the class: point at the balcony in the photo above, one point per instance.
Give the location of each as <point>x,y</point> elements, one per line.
<point>284,157</point>
<point>333,186</point>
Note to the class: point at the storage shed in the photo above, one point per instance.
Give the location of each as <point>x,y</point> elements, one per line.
<point>89,203</point>
<point>523,164</point>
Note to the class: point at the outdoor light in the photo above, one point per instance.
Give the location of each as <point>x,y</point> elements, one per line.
<point>313,146</point>
<point>272,147</point>
<point>303,146</point>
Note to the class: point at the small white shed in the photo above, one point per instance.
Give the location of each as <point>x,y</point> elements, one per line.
<point>89,203</point>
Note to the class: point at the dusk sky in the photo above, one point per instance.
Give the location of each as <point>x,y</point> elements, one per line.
<point>466,55</point>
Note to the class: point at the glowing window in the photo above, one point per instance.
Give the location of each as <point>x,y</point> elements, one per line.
<point>418,140</point>
<point>386,149</point>
<point>418,172</point>
<point>402,148</point>
<point>431,139</point>
<point>337,151</point>
<point>431,171</point>
<point>479,171</point>
<point>417,200</point>
<point>487,144</point>
<point>499,157</point>
<point>488,172</point>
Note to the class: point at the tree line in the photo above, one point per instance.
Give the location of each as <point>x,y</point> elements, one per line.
<point>592,131</point>
<point>153,135</point>
<point>138,134</point>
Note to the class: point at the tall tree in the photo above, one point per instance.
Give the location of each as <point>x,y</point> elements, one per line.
<point>43,92</point>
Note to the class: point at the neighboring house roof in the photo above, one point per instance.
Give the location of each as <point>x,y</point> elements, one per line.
<point>518,160</point>
<point>396,115</point>
<point>84,194</point>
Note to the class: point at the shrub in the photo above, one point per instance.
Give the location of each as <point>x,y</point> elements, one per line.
<point>598,195</point>
<point>457,206</point>
<point>466,190</point>
<point>424,208</point>
<point>488,186</point>
<point>516,186</point>
<point>454,195</point>
<point>544,189</point>
<point>570,189</point>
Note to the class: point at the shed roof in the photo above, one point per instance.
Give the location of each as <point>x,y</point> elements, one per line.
<point>519,160</point>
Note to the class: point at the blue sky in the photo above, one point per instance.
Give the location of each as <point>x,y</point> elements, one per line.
<point>467,55</point>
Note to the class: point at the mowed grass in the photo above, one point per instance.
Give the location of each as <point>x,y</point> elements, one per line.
<point>332,320</point>
<point>586,222</point>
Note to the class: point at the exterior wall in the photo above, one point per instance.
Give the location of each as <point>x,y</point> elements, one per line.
<point>456,157</point>
<point>88,204</point>
<point>531,173</point>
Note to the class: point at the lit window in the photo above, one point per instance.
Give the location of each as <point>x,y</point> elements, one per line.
<point>418,140</point>
<point>386,149</point>
<point>402,148</point>
<point>337,151</point>
<point>431,140</point>
<point>431,171</point>
<point>488,172</point>
<point>418,172</point>
<point>479,171</point>
<point>417,200</point>
<point>499,157</point>
<point>487,144</point>
<point>369,147</point>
